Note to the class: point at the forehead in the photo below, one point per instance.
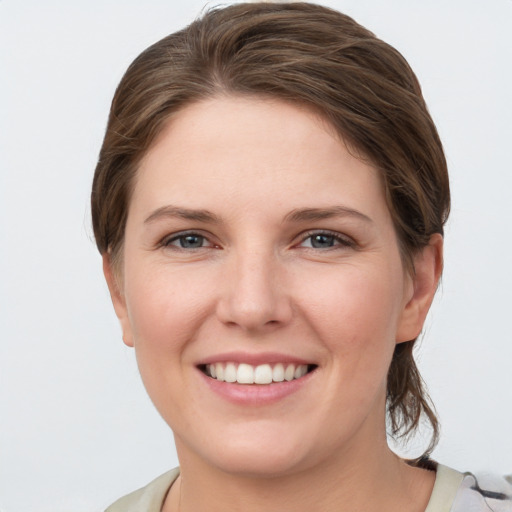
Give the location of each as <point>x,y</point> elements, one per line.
<point>260,151</point>
<point>231,123</point>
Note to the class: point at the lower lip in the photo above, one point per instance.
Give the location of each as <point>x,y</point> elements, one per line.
<point>255,394</point>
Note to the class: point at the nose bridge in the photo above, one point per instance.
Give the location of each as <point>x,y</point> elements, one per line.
<point>255,294</point>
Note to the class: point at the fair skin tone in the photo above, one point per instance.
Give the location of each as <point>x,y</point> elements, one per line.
<point>254,238</point>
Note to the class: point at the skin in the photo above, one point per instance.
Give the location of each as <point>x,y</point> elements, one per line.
<point>258,282</point>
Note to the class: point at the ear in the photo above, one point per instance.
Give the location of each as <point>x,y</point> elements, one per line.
<point>428,266</point>
<point>118,300</point>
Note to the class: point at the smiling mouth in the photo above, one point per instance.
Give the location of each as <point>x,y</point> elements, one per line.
<point>242,373</point>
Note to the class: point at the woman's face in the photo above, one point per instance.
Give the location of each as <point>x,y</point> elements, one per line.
<point>258,248</point>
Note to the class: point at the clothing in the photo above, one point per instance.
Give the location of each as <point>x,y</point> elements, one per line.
<point>148,499</point>
<point>453,492</point>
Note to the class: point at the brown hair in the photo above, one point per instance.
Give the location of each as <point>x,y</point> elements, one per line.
<point>297,52</point>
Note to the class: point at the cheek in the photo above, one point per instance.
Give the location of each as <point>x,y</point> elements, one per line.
<point>166,308</point>
<point>355,312</point>
<point>166,316</point>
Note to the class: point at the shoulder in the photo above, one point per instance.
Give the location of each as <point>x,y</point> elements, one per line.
<point>149,498</point>
<point>467,492</point>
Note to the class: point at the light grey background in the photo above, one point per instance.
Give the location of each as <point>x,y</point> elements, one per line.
<point>76,427</point>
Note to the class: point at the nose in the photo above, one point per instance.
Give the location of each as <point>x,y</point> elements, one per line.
<point>254,295</point>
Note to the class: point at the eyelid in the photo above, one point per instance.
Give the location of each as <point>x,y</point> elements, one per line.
<point>342,239</point>
<point>165,242</point>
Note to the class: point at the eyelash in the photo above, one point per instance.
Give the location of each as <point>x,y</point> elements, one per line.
<point>167,241</point>
<point>340,240</point>
<point>337,238</point>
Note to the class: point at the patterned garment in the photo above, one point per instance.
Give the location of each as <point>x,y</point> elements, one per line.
<point>484,493</point>
<point>453,492</point>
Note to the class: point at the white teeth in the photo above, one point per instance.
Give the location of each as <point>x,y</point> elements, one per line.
<point>300,371</point>
<point>261,374</point>
<point>245,374</point>
<point>278,373</point>
<point>219,371</point>
<point>230,373</point>
<point>289,372</point>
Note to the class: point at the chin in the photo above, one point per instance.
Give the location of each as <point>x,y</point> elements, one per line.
<point>252,454</point>
<point>259,462</point>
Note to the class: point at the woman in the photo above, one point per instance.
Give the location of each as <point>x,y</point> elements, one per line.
<point>269,203</point>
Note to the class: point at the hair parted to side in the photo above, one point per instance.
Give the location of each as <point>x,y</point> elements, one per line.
<point>310,55</point>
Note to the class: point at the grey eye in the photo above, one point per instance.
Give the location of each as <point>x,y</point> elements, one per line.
<point>322,240</point>
<point>325,240</point>
<point>191,241</point>
<point>187,241</point>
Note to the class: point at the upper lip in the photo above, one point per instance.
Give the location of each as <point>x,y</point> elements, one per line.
<point>254,359</point>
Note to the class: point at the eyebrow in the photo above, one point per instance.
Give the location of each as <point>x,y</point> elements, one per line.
<point>298,215</point>
<point>310,214</point>
<point>171,211</point>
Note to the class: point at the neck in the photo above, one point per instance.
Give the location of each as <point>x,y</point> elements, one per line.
<point>374,481</point>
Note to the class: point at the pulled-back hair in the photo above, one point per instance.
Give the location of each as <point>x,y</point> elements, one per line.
<point>300,53</point>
